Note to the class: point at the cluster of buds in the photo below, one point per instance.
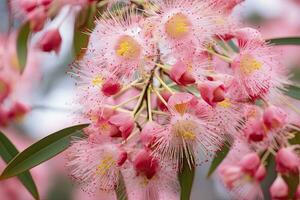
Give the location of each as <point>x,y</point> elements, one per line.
<point>168,86</point>
<point>11,109</point>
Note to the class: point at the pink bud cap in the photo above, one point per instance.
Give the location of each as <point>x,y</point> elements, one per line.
<point>122,158</point>
<point>180,74</point>
<point>287,161</point>
<point>279,189</point>
<point>3,117</point>
<point>37,19</point>
<point>17,111</point>
<point>148,133</point>
<point>256,132</point>
<point>145,164</point>
<point>28,5</point>
<point>248,34</point>
<point>110,88</point>
<point>250,163</point>
<point>182,101</point>
<point>51,41</point>
<point>46,2</point>
<point>212,92</point>
<point>274,117</point>
<point>260,173</point>
<point>124,123</point>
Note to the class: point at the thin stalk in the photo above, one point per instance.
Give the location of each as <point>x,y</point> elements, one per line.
<point>149,104</point>
<point>163,83</point>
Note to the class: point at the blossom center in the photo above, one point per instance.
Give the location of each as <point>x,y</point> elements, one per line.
<point>185,129</point>
<point>97,80</point>
<point>225,104</point>
<point>178,26</point>
<point>106,163</point>
<point>249,64</point>
<point>128,48</point>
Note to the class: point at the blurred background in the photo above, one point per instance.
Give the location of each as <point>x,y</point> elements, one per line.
<point>52,95</point>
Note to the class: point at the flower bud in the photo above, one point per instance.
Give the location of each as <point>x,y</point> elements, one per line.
<point>180,74</point>
<point>37,19</point>
<point>122,158</point>
<point>4,90</point>
<point>274,117</point>
<point>124,123</point>
<point>165,95</point>
<point>279,189</point>
<point>250,163</point>
<point>145,164</point>
<point>51,41</point>
<point>260,173</point>
<point>46,2</point>
<point>28,5</point>
<point>248,34</point>
<point>181,102</point>
<point>17,111</point>
<point>148,133</point>
<point>110,87</point>
<point>287,161</point>
<point>255,131</point>
<point>212,92</point>
<point>230,174</point>
<point>3,117</point>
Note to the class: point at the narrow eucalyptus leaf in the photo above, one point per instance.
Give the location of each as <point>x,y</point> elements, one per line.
<point>8,151</point>
<point>42,151</point>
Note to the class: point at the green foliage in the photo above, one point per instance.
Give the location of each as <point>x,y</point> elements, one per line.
<point>8,151</point>
<point>284,41</point>
<point>22,48</point>
<point>86,23</point>
<point>293,91</point>
<point>121,189</point>
<point>186,179</point>
<point>42,151</point>
<point>219,157</point>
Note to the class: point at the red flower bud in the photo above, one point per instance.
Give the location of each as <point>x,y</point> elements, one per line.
<point>145,164</point>
<point>180,74</point>
<point>279,189</point>
<point>110,87</point>
<point>255,131</point>
<point>17,111</point>
<point>260,173</point>
<point>51,41</point>
<point>124,123</point>
<point>287,161</point>
<point>148,133</point>
<point>250,163</point>
<point>274,117</point>
<point>28,5</point>
<point>212,92</point>
<point>122,158</point>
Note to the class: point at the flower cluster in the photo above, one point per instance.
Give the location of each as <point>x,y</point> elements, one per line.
<point>11,109</point>
<point>170,85</point>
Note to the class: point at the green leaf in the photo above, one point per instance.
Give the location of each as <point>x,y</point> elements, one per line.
<point>121,189</point>
<point>186,179</point>
<point>42,151</point>
<point>293,181</point>
<point>22,41</point>
<point>284,41</point>
<point>8,151</point>
<point>270,176</point>
<point>81,35</point>
<point>293,91</point>
<point>295,139</point>
<point>219,157</point>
